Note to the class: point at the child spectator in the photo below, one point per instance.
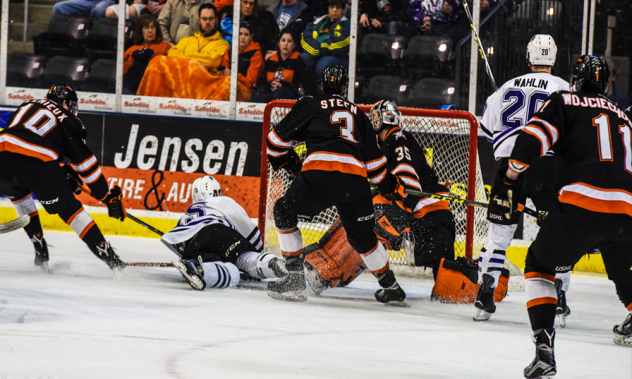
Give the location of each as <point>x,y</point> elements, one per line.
<point>326,40</point>
<point>148,44</point>
<point>249,65</point>
<point>93,8</point>
<point>179,19</point>
<point>284,73</point>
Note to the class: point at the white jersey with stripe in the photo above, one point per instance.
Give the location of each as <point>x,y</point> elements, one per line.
<point>509,108</point>
<point>216,210</point>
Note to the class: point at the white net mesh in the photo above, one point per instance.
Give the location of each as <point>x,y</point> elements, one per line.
<point>446,142</point>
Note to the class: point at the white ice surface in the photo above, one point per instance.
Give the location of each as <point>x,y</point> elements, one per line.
<point>82,321</point>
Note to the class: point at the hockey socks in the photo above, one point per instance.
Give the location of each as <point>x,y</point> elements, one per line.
<point>261,265</point>
<point>492,257</point>
<point>220,274</point>
<point>290,242</point>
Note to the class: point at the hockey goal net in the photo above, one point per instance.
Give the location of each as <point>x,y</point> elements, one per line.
<point>449,139</point>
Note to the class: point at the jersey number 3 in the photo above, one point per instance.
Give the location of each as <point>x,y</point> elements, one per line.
<point>346,131</point>
<point>605,140</point>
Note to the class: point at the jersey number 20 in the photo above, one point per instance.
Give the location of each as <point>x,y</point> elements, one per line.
<point>507,115</point>
<point>346,131</point>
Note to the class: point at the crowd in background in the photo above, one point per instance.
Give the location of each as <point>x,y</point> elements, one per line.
<point>283,48</point>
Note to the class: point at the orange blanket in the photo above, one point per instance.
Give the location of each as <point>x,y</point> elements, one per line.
<point>187,79</point>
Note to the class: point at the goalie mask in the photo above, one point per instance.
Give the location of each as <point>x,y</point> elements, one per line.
<point>204,188</point>
<point>541,50</point>
<point>590,74</point>
<point>385,115</point>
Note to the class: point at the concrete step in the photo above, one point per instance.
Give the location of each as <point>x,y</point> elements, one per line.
<point>16,30</point>
<point>20,47</point>
<point>38,13</point>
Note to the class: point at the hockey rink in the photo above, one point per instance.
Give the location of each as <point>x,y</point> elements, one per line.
<point>82,321</point>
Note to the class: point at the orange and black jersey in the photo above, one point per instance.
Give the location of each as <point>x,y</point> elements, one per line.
<point>338,135</point>
<point>594,139</point>
<point>406,159</point>
<point>44,130</point>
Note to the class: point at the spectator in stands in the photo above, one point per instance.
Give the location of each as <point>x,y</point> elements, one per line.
<point>288,12</point>
<point>382,16</point>
<point>430,17</point>
<point>93,8</point>
<point>190,70</point>
<point>156,6</point>
<point>620,99</point>
<point>148,44</point>
<point>326,40</point>
<point>132,11</point>
<point>179,19</point>
<point>249,65</point>
<point>226,24</point>
<point>285,73</point>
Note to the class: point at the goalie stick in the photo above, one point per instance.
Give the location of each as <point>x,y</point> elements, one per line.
<point>456,200</point>
<point>480,45</point>
<point>16,224</point>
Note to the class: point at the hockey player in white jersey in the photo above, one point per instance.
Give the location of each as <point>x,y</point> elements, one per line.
<point>216,239</point>
<point>506,112</point>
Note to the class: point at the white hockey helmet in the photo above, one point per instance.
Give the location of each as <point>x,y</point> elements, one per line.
<point>204,188</point>
<point>385,115</point>
<point>541,50</point>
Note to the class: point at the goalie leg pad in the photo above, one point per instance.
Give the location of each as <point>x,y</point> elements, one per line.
<point>220,274</point>
<point>456,282</point>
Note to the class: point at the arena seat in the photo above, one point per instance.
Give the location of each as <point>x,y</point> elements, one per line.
<point>432,93</point>
<point>101,42</point>
<point>70,70</point>
<point>23,68</point>
<point>62,36</point>
<point>101,78</point>
<point>380,54</point>
<point>381,87</point>
<point>426,56</point>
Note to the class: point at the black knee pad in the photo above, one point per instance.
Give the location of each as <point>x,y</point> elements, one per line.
<point>284,214</point>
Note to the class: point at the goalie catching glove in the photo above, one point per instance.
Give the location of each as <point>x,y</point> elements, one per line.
<point>290,162</point>
<point>114,202</point>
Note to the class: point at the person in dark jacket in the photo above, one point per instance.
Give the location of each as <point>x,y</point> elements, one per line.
<point>382,16</point>
<point>284,74</point>
<point>326,40</point>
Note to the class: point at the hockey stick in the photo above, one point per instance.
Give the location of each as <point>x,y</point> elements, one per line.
<point>456,200</point>
<point>16,224</point>
<point>149,264</point>
<point>480,45</point>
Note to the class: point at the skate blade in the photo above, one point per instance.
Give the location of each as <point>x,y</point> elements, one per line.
<point>401,304</point>
<point>294,296</point>
<point>44,267</point>
<point>562,319</point>
<point>481,315</point>
<point>623,340</point>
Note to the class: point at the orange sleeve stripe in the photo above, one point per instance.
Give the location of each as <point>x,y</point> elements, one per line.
<point>345,168</point>
<point>596,205</point>
<point>518,162</point>
<point>45,157</point>
<point>439,205</point>
<point>539,275</point>
<point>541,301</point>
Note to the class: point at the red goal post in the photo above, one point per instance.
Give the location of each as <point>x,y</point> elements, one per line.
<point>450,141</point>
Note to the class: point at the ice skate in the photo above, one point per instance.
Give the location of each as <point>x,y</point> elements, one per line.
<point>278,266</point>
<point>41,252</point>
<point>193,272</point>
<point>289,288</point>
<point>543,365</point>
<point>106,253</point>
<point>315,281</point>
<point>393,295</point>
<point>623,332</point>
<point>485,299</point>
<point>562,311</point>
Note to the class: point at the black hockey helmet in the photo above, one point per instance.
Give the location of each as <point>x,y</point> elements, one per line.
<point>60,92</point>
<point>385,115</point>
<point>334,80</point>
<point>590,74</point>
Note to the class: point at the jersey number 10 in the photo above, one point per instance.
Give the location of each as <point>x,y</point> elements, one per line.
<point>605,140</point>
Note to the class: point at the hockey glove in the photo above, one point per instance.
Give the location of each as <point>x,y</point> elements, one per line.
<point>397,192</point>
<point>114,202</point>
<point>73,179</point>
<point>504,201</point>
<point>290,162</point>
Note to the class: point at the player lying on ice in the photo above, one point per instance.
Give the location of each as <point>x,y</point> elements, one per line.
<point>216,239</point>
